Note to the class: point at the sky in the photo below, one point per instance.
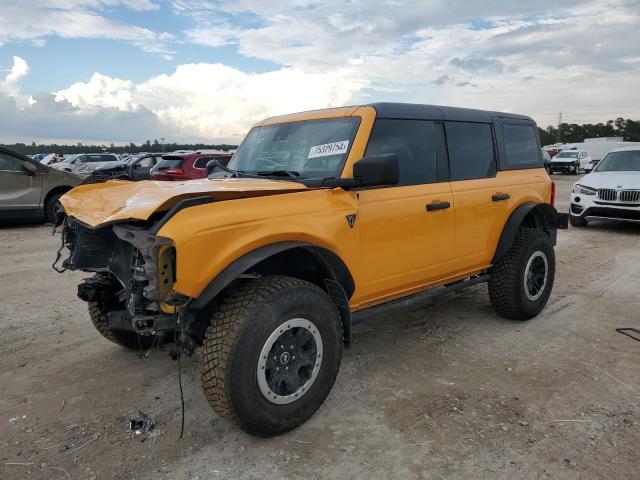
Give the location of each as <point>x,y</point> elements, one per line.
<point>205,70</point>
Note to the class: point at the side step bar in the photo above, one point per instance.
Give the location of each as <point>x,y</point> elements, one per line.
<point>362,315</point>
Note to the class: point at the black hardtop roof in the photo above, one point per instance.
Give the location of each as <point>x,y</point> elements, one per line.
<point>436,112</point>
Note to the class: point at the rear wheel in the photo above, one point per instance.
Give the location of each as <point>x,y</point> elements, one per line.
<point>271,354</point>
<point>520,282</point>
<point>577,221</point>
<point>125,338</point>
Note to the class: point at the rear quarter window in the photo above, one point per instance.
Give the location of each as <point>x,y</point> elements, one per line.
<point>202,162</point>
<point>521,146</point>
<point>169,163</point>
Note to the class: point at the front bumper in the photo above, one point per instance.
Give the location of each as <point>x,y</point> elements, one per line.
<point>591,208</point>
<point>562,166</point>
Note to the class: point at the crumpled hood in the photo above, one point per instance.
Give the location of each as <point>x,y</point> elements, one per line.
<point>115,200</point>
<point>614,180</point>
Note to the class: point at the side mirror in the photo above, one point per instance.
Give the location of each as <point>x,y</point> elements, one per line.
<point>376,170</point>
<point>211,166</point>
<point>30,168</point>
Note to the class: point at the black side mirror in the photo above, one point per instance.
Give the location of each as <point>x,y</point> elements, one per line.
<point>376,170</point>
<point>212,165</point>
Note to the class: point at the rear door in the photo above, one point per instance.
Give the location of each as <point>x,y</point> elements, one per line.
<point>482,199</point>
<point>20,191</point>
<point>406,231</point>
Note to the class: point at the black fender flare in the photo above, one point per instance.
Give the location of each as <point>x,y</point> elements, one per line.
<point>339,282</point>
<point>543,216</point>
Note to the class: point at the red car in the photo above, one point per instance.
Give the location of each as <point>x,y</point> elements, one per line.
<point>186,167</point>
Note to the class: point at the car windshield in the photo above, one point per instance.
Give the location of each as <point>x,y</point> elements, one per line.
<point>628,161</point>
<point>565,154</point>
<point>71,158</point>
<point>306,149</point>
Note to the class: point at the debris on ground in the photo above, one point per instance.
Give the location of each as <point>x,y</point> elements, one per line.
<point>142,424</point>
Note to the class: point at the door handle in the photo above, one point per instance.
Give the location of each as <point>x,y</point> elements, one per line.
<point>500,196</point>
<point>437,206</point>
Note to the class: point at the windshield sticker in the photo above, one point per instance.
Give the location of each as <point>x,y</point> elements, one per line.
<point>335,148</point>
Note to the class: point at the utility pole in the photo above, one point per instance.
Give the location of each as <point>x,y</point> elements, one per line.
<point>162,139</point>
<point>559,123</point>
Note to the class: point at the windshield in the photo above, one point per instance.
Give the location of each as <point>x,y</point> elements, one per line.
<point>308,149</point>
<point>565,154</point>
<point>71,158</point>
<point>628,161</point>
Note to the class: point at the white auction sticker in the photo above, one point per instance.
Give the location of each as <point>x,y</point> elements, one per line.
<point>335,148</point>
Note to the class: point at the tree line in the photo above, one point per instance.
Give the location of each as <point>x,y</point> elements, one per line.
<point>628,129</point>
<point>148,146</point>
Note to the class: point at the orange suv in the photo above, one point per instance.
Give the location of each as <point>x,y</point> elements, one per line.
<point>319,217</point>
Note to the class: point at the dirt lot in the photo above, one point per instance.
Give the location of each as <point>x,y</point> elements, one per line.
<point>443,390</point>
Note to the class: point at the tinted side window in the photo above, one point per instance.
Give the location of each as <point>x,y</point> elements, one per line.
<point>10,163</point>
<point>520,145</point>
<point>471,153</point>
<point>202,162</point>
<point>414,141</point>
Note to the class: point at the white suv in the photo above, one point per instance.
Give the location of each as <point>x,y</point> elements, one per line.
<point>570,161</point>
<point>611,191</point>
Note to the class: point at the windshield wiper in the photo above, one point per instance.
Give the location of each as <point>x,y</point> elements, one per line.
<point>234,173</point>
<point>279,173</point>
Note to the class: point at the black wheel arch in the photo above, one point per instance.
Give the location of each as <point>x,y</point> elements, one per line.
<point>59,190</point>
<point>532,215</point>
<point>306,261</point>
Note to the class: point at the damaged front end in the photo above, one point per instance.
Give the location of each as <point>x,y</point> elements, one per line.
<point>134,274</point>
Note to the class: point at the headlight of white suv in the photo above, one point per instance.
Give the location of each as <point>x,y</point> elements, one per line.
<point>577,188</point>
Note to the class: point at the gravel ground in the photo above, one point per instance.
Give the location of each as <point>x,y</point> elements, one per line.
<point>444,390</point>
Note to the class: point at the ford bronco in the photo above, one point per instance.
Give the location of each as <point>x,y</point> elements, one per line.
<point>318,217</point>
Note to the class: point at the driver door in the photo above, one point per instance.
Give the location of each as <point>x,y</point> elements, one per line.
<point>406,230</point>
<point>141,169</point>
<point>20,190</point>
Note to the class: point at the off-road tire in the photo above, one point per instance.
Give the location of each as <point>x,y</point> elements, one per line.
<point>506,281</point>
<point>246,317</point>
<point>577,221</point>
<point>123,338</point>
<point>50,208</point>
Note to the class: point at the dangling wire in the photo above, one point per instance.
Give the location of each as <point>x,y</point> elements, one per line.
<point>62,245</point>
<point>179,355</point>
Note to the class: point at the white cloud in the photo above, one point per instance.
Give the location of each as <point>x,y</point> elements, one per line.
<point>212,101</point>
<point>35,20</point>
<point>100,91</point>
<point>574,55</point>
<point>10,85</point>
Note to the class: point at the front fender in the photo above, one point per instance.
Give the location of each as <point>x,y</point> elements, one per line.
<point>209,238</point>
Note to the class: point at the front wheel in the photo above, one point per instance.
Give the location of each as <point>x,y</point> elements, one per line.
<point>520,282</point>
<point>52,208</point>
<point>271,354</point>
<point>125,338</point>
